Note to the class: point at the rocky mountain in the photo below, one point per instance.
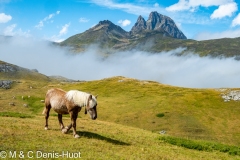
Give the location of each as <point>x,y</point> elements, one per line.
<point>158,22</point>
<point>12,72</point>
<point>107,34</point>
<point>158,33</point>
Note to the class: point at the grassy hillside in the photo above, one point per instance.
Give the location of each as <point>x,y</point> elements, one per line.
<point>13,72</point>
<point>131,114</point>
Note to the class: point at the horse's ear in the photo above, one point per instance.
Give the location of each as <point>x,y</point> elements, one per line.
<point>96,96</point>
<point>90,97</point>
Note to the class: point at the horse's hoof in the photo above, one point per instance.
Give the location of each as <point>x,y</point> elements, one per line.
<point>64,130</point>
<point>46,128</point>
<point>76,136</point>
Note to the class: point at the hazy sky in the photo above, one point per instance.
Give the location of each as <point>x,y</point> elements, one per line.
<point>57,20</point>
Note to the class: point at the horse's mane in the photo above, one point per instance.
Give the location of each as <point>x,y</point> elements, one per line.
<point>77,97</point>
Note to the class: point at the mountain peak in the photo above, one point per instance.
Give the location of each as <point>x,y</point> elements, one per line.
<point>105,22</point>
<point>108,25</point>
<point>159,22</point>
<point>139,25</point>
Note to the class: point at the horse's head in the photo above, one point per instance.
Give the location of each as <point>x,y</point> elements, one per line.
<point>91,108</point>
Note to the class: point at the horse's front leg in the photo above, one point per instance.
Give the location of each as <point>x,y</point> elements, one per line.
<point>60,121</point>
<point>73,115</point>
<point>67,128</point>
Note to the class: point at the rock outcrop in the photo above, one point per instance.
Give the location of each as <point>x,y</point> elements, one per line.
<point>5,67</point>
<point>158,22</point>
<point>6,84</point>
<point>231,95</point>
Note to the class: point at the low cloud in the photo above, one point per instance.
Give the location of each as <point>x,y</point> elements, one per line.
<point>164,67</point>
<point>225,34</point>
<point>62,32</point>
<point>12,31</point>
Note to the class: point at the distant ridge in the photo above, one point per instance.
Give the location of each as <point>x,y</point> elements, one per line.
<point>107,34</point>
<point>159,33</point>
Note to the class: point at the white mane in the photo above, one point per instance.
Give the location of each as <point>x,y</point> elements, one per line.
<point>80,98</point>
<point>77,97</point>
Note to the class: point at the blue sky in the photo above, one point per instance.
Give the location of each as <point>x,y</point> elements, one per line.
<point>57,20</point>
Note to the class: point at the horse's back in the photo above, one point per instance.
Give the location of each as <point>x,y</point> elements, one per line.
<point>56,99</point>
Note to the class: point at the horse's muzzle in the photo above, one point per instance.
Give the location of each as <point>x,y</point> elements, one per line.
<point>94,118</point>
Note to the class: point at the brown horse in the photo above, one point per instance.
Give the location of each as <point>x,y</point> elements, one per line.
<point>70,102</point>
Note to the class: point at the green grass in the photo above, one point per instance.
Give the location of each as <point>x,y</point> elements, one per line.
<point>130,115</point>
<point>99,140</point>
<point>160,115</point>
<point>202,145</point>
<point>15,114</point>
<point>34,103</point>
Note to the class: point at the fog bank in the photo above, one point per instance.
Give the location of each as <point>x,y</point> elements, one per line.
<point>164,67</point>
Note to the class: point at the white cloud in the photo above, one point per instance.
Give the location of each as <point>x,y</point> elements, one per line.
<point>208,3</point>
<point>11,31</point>
<point>181,5</point>
<point>217,35</point>
<point>4,18</point>
<point>193,4</point>
<point>156,5</point>
<point>236,21</point>
<point>124,23</point>
<point>225,7</point>
<point>83,20</point>
<point>129,7</point>
<point>64,29</point>
<point>8,31</point>
<point>224,10</point>
<point>40,24</point>
<point>59,38</point>
<point>55,38</point>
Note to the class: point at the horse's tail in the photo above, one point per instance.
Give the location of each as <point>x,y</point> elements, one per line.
<point>46,102</point>
<point>44,111</point>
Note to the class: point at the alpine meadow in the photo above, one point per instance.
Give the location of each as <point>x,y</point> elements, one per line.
<point>151,93</point>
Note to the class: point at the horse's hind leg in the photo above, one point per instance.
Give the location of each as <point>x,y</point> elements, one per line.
<point>46,112</point>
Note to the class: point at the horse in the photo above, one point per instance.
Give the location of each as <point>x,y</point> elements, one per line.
<point>70,102</point>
